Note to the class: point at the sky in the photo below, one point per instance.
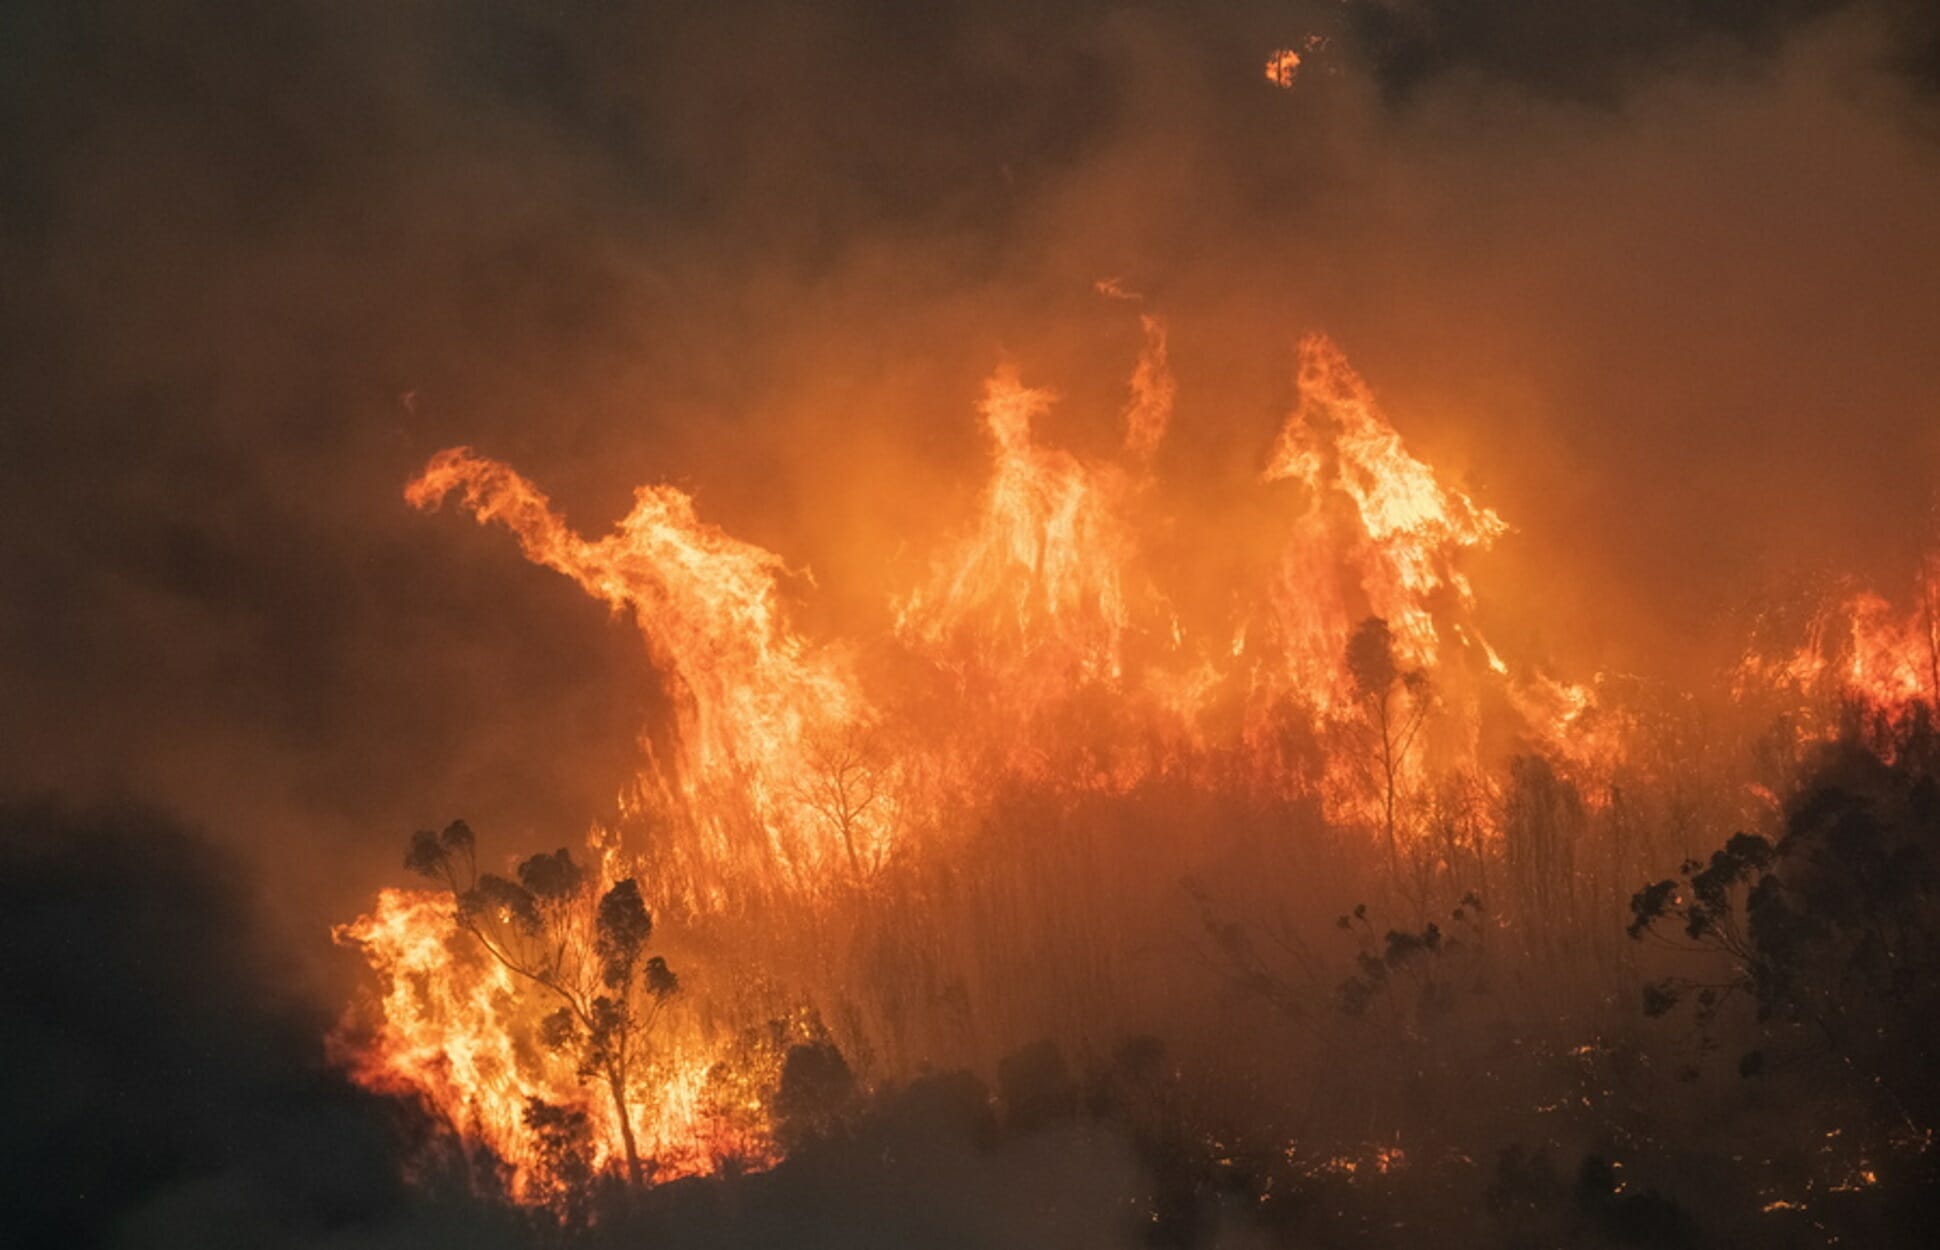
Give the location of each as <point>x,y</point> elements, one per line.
<point>1656,281</point>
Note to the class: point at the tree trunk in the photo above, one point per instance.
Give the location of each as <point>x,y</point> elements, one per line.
<point>618,1086</point>
<point>848,843</point>
<point>1387,793</point>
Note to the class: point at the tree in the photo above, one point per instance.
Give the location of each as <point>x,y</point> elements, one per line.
<point>584,947</point>
<point>1542,821</point>
<point>1395,703</point>
<point>564,1171</point>
<point>1832,931</point>
<point>816,1092</point>
<point>845,788</point>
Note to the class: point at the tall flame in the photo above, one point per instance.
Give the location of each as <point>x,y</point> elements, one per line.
<point>751,695</point>
<point>1036,601</point>
<point>1046,654</point>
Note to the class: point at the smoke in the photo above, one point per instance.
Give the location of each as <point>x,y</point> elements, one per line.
<point>1652,281</point>
<point>162,1071</point>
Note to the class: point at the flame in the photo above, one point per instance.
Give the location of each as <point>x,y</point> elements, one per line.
<point>1038,599</point>
<point>453,1030</point>
<point>1043,650</point>
<point>1282,67</point>
<point>1395,555</point>
<point>752,696</point>
<point>1283,64</point>
<point>1860,651</point>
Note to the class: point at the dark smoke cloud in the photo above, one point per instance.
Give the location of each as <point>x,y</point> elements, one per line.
<point>161,1077</point>
<point>1656,280</point>
<point>1591,51</point>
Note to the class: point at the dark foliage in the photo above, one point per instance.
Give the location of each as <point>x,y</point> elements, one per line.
<point>621,934</point>
<point>563,1172</point>
<point>1832,933</point>
<point>816,1096</point>
<point>608,1003</point>
<point>1035,1087</point>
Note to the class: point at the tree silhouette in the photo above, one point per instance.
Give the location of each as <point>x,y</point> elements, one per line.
<point>1395,703</point>
<point>584,947</point>
<point>1832,931</point>
<point>1543,819</point>
<point>564,1169</point>
<point>846,789</point>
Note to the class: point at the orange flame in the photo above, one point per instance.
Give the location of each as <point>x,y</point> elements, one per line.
<point>1283,64</point>
<point>1861,651</point>
<point>1051,656</point>
<point>1395,555</point>
<point>453,1030</point>
<point>751,694</point>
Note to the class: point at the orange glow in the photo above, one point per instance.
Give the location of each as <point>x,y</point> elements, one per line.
<point>1283,65</point>
<point>1861,651</point>
<point>752,696</point>
<point>452,1030</point>
<point>1039,648</point>
<point>1394,555</point>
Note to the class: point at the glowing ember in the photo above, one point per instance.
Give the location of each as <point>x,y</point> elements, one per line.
<point>1282,67</point>
<point>1284,64</point>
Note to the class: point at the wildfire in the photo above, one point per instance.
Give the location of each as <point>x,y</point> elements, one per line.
<point>1037,599</point>
<point>457,1030</point>
<point>1051,656</point>
<point>1395,554</point>
<point>753,697</point>
<point>1861,650</point>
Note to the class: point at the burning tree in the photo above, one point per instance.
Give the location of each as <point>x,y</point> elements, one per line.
<point>1395,702</point>
<point>847,788</point>
<point>583,947</point>
<point>1042,656</point>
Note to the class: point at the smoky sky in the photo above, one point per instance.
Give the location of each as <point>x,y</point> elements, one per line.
<point>1656,281</point>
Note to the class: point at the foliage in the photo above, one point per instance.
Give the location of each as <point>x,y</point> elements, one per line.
<point>1395,703</point>
<point>581,947</point>
<point>1415,972</point>
<point>1831,933</point>
<point>816,1094</point>
<point>563,1174</point>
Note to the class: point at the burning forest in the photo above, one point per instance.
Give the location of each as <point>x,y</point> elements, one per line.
<point>1313,625</point>
<point>847,799</point>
